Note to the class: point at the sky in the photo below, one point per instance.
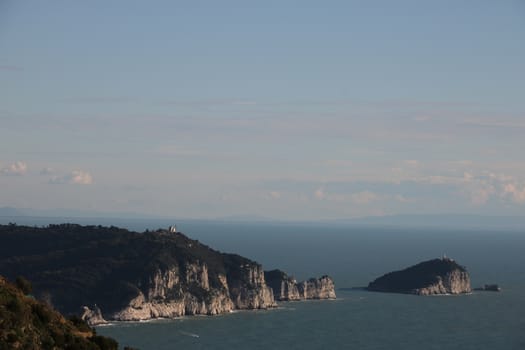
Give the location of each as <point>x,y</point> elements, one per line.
<point>284,109</point>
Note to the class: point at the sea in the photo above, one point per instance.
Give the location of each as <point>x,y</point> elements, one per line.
<point>353,256</point>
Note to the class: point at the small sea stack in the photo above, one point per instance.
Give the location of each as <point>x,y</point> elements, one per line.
<point>489,288</point>
<point>286,288</point>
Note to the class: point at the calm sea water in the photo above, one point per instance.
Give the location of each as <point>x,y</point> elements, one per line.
<point>353,256</point>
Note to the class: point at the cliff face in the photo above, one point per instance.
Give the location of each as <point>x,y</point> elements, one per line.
<point>134,276</point>
<point>287,288</point>
<point>284,287</point>
<point>166,294</point>
<point>317,288</point>
<point>438,276</point>
<point>249,289</point>
<point>454,282</point>
<point>167,297</point>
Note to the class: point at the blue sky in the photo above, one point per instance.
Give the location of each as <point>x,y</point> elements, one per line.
<point>283,109</point>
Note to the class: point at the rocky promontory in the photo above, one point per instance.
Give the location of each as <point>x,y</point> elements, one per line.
<point>114,274</point>
<point>432,277</point>
<point>286,288</point>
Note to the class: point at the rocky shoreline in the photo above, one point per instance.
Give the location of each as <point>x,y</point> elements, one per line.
<point>113,274</point>
<point>156,303</point>
<point>286,288</point>
<point>143,309</point>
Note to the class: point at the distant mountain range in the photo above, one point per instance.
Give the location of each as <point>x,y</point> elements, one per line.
<point>442,221</point>
<point>446,220</point>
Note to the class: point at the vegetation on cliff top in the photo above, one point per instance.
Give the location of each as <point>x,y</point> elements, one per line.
<point>26,323</point>
<point>72,265</point>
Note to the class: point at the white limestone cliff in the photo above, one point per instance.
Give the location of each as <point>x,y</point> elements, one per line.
<point>286,288</point>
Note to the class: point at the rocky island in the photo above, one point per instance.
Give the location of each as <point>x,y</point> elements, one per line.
<point>432,277</point>
<point>109,273</point>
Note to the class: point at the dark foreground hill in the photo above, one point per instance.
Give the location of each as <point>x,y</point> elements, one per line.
<point>130,275</point>
<point>26,323</point>
<point>437,276</point>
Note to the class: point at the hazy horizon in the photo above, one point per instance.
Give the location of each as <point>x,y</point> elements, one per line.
<point>292,111</point>
<point>142,222</point>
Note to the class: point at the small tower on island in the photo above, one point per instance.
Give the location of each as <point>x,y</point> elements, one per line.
<point>446,258</point>
<point>172,229</point>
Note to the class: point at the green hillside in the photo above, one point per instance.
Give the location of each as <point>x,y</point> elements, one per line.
<point>26,323</point>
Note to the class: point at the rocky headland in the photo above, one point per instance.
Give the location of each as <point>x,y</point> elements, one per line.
<point>108,273</point>
<point>432,277</point>
<point>286,288</point>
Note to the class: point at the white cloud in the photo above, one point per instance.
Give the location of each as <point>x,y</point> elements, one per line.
<point>47,171</point>
<point>481,195</point>
<point>319,193</point>
<point>412,163</point>
<point>275,195</point>
<point>468,177</point>
<point>478,188</point>
<point>15,169</point>
<point>488,185</point>
<point>365,197</point>
<point>501,177</point>
<point>76,177</point>
<point>403,199</point>
<point>440,180</point>
<point>514,191</point>
<point>81,178</point>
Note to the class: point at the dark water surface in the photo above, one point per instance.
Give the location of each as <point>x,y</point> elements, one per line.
<point>358,320</point>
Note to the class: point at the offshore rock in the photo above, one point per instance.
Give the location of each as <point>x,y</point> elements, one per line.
<point>318,288</point>
<point>286,288</point>
<point>92,317</point>
<point>433,277</point>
